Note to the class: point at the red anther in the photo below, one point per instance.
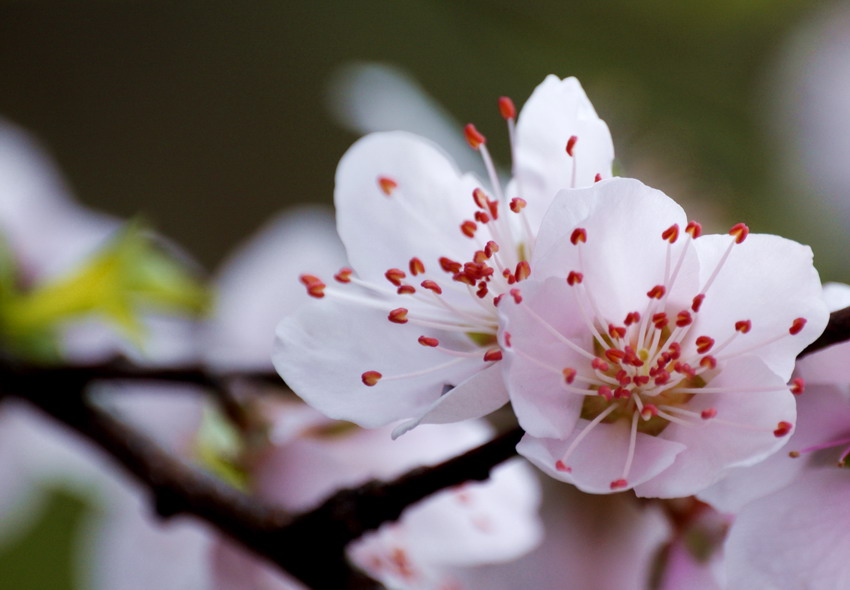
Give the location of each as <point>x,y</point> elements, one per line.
<point>675,349</point>
<point>497,299</point>
<point>708,362</point>
<point>491,248</point>
<point>782,429</point>
<point>606,392</point>
<point>704,344</point>
<point>579,235</point>
<point>394,275</point>
<point>515,293</point>
<point>662,377</point>
<point>654,371</point>
<point>616,331</point>
<point>622,393</point>
<point>523,270</point>
<point>740,231</point>
<point>619,484</point>
<point>569,374</point>
<point>416,266</point>
<point>482,217</point>
<point>344,275</point>
<point>480,198</point>
<point>449,265</point>
<point>671,234</point>
<point>518,204</point>
<point>571,144</point>
<point>482,291</point>
<point>697,302</point>
<point>493,206</point>
<point>509,276</point>
<point>660,320</point>
<point>743,326</point>
<point>315,286</point>
<point>468,228</point>
<point>684,369</point>
<point>561,466</point>
<point>597,178</point>
<point>428,341</point>
<point>507,339</point>
<point>684,318</point>
<point>640,380</point>
<point>480,257</point>
<point>798,386</point>
<point>494,354</point>
<point>473,137</point>
<point>370,378</point>
<point>648,412</point>
<point>623,378</point>
<point>432,286</point>
<point>600,365</point>
<point>388,185</point>
<point>657,292</point>
<point>797,326</point>
<point>694,229</point>
<point>574,278</point>
<point>398,316</point>
<point>406,290</point>
<point>708,413</point>
<point>632,317</point>
<point>507,108</point>
<point>615,355</point>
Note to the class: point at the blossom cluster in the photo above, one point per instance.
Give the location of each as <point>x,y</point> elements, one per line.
<point>638,352</point>
<point>652,366</point>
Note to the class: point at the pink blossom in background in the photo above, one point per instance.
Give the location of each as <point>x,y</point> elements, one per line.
<point>643,355</point>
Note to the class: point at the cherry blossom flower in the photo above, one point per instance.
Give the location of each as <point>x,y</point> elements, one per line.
<point>645,355</point>
<point>409,331</point>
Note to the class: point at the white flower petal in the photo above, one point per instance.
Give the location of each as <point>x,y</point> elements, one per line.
<point>323,350</point>
<point>556,111</point>
<point>420,218</point>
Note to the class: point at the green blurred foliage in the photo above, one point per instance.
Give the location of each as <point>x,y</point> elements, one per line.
<point>129,276</point>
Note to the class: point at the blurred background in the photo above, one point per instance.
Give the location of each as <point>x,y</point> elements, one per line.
<point>208,117</point>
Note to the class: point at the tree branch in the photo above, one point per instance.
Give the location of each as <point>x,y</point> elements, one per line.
<point>837,330</point>
<point>291,542</point>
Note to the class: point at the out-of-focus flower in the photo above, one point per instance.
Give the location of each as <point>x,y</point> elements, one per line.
<point>591,541</point>
<point>310,457</point>
<point>643,355</point>
<point>789,521</point>
<point>57,279</point>
<point>411,334</point>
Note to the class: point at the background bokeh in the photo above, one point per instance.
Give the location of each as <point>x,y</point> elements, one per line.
<point>207,117</point>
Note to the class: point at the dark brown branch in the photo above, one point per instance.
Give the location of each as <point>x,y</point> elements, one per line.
<point>291,542</point>
<point>837,330</point>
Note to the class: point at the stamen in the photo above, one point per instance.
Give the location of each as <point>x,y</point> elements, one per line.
<point>473,137</point>
<point>387,185</point>
<point>398,315</point>
<point>797,326</point>
<point>344,275</point>
<point>416,266</point>
<point>740,231</point>
<point>492,355</point>
<point>370,378</point>
<point>507,108</point>
<point>579,235</point>
<point>315,286</point>
<point>428,341</point>
<point>571,144</point>
<point>798,386</point>
<point>394,275</point>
